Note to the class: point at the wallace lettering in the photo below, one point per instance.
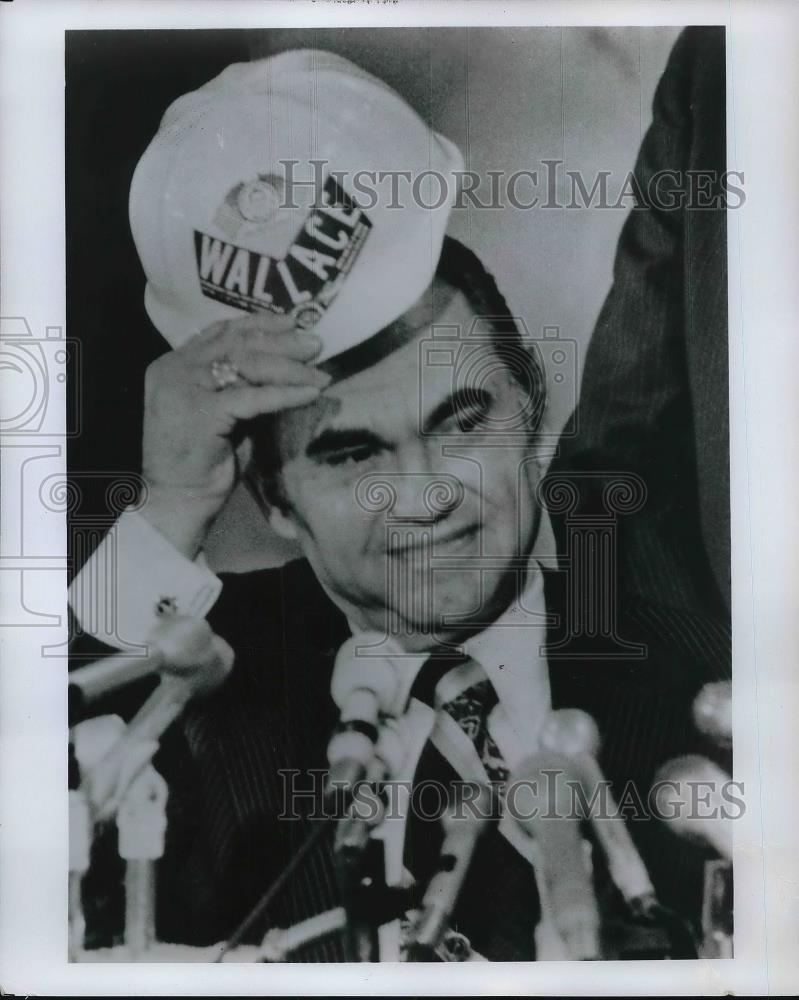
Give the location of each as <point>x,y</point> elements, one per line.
<point>322,254</point>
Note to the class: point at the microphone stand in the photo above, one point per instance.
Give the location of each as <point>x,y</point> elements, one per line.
<point>360,868</point>
<point>360,882</point>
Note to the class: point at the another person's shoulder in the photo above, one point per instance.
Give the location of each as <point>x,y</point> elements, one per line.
<point>695,72</point>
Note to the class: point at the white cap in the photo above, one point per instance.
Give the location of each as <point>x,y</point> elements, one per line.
<point>224,225</point>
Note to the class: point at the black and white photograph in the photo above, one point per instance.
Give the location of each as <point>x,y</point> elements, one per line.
<point>397,363</point>
<point>322,334</point>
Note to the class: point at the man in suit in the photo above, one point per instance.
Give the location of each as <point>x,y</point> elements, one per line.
<point>397,444</point>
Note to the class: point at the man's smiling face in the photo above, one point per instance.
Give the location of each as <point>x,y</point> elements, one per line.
<point>414,514</point>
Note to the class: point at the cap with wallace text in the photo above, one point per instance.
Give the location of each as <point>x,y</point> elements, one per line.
<point>275,187</point>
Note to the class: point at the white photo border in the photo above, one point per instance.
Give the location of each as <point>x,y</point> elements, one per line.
<point>763,142</point>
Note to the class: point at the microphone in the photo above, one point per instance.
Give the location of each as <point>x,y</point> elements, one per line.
<point>464,822</point>
<point>712,712</point>
<point>367,686</point>
<point>177,645</point>
<point>574,732</point>
<point>548,817</point>
<point>676,802</point>
<point>363,687</point>
<point>201,661</point>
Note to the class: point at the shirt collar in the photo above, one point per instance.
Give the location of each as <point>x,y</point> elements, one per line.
<point>511,652</point>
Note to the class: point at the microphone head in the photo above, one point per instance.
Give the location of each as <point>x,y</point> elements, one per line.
<point>193,652</point>
<point>358,668</point>
<point>712,711</point>
<point>181,641</point>
<point>215,669</point>
<point>687,796</point>
<point>571,731</point>
<point>691,767</point>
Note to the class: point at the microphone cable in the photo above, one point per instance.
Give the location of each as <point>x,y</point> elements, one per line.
<point>266,900</point>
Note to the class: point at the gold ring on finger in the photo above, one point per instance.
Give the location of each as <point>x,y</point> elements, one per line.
<point>225,374</point>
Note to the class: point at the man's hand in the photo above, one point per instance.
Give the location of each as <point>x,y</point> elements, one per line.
<point>189,460</point>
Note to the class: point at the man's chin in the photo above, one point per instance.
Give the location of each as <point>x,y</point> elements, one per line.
<point>420,617</point>
<point>451,621</point>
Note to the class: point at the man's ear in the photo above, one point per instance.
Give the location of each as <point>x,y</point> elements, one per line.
<point>280,521</point>
<point>243,452</point>
<point>282,524</point>
<point>541,447</point>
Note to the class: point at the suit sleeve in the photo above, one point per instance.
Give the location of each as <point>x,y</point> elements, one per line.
<point>634,413</point>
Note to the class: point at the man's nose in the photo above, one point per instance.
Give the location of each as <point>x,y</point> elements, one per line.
<point>406,497</point>
<point>427,492</point>
<point>426,497</point>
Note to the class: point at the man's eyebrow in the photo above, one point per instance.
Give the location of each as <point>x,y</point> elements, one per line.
<point>341,439</point>
<point>458,401</point>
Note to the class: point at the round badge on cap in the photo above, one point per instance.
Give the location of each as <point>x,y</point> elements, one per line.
<point>258,200</point>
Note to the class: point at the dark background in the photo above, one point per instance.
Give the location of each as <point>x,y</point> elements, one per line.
<point>118,86</point>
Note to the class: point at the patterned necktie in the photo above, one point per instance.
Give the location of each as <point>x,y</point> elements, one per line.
<point>499,906</point>
<point>471,709</point>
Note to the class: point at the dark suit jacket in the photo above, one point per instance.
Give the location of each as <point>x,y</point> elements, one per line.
<point>654,398</point>
<point>275,714</point>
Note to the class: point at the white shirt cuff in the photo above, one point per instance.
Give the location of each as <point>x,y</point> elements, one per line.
<point>133,578</point>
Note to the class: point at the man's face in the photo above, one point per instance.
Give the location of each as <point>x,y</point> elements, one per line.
<point>414,510</point>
